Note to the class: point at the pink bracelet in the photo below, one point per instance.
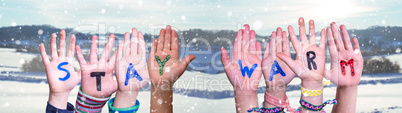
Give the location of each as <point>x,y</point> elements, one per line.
<point>278,102</point>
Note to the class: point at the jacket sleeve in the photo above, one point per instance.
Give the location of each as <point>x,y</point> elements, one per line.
<point>51,109</point>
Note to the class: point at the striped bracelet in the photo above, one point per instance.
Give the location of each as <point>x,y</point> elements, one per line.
<point>86,103</point>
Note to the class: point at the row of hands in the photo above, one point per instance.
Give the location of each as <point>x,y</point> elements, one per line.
<point>130,51</point>
<point>246,48</point>
<point>249,52</point>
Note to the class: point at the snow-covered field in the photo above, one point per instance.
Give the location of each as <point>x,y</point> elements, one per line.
<point>32,97</point>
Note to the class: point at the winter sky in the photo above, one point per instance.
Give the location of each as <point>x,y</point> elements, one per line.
<point>263,15</point>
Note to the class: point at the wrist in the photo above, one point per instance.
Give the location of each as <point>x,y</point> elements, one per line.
<point>312,85</point>
<point>245,92</point>
<point>278,92</point>
<point>58,100</point>
<point>124,99</point>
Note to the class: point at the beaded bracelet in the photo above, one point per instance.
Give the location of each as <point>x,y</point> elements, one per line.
<point>311,107</point>
<point>132,109</point>
<point>266,110</point>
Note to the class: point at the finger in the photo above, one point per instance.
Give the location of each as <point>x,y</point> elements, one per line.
<point>258,49</point>
<point>224,57</point>
<point>337,36</point>
<point>168,37</point>
<point>346,38</point>
<point>302,30</point>
<point>80,57</point>
<point>294,65</point>
<point>312,32</point>
<point>272,44</point>
<point>62,43</point>
<point>161,40</point>
<point>322,39</point>
<point>278,39</point>
<point>53,48</point>
<point>266,52</point>
<point>120,50</point>
<point>332,48</point>
<point>246,38</point>
<point>186,60</point>
<point>93,57</point>
<point>112,60</point>
<point>108,48</point>
<point>142,50</point>
<point>126,44</point>
<point>175,42</point>
<point>43,53</point>
<point>134,42</point>
<point>293,39</point>
<point>71,47</point>
<point>153,50</point>
<point>236,53</point>
<point>285,43</point>
<point>252,41</point>
<point>355,43</point>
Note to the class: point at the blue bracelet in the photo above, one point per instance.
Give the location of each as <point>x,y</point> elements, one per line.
<point>132,109</point>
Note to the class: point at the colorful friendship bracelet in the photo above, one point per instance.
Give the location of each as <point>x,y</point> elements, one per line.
<point>278,102</point>
<point>132,109</point>
<point>313,93</point>
<point>86,103</point>
<point>311,107</point>
<point>266,110</point>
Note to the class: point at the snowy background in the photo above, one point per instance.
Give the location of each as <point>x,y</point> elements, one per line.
<point>203,26</point>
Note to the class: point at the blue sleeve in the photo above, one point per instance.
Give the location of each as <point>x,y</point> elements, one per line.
<point>51,109</point>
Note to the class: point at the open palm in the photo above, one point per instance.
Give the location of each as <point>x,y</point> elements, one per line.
<point>279,43</point>
<point>89,83</point>
<point>131,51</point>
<point>59,82</point>
<point>341,50</point>
<point>307,71</point>
<point>247,50</point>
<point>167,45</point>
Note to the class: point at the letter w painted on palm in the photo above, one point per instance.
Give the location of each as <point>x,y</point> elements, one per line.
<point>246,69</point>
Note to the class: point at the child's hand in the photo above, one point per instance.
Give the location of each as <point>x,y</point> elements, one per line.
<point>248,51</point>
<point>131,71</point>
<point>97,76</point>
<point>279,43</point>
<point>310,58</point>
<point>166,68</point>
<point>343,51</point>
<point>60,73</point>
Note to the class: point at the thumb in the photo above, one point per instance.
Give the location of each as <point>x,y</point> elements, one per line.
<point>224,57</point>
<point>79,75</point>
<point>186,60</point>
<point>294,65</point>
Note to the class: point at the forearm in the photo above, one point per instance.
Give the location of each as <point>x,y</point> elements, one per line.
<point>245,101</point>
<point>161,99</point>
<point>58,100</point>
<point>346,97</point>
<point>125,99</point>
<point>315,100</point>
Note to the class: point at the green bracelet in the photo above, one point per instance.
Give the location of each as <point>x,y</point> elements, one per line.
<point>132,109</point>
